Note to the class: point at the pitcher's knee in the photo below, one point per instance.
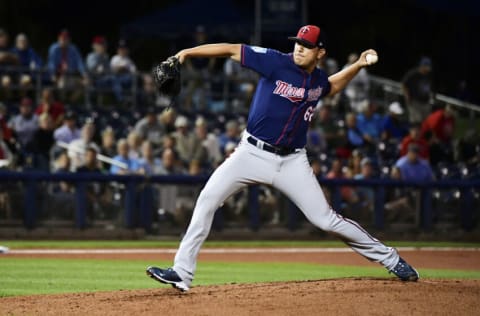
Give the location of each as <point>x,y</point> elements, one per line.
<point>209,199</point>
<point>326,221</point>
<point>323,225</point>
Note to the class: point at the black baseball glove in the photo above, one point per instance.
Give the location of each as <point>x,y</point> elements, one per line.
<point>167,77</point>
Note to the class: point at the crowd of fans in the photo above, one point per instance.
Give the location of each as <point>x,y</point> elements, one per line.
<point>352,136</point>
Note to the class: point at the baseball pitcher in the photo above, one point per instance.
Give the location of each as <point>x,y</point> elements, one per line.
<point>272,149</point>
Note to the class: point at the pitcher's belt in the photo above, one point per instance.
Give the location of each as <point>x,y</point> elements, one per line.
<point>281,151</point>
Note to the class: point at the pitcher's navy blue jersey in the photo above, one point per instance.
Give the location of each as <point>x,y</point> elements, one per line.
<point>285,98</point>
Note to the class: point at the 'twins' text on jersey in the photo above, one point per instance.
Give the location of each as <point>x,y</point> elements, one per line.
<point>285,98</point>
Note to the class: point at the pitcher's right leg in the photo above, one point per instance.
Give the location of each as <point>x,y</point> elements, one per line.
<point>243,167</point>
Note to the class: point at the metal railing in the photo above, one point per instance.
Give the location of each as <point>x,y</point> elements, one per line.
<point>42,77</point>
<point>390,90</point>
<point>393,90</point>
<point>140,215</point>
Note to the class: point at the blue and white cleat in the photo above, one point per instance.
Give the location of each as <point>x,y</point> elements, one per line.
<point>404,271</point>
<point>168,276</point>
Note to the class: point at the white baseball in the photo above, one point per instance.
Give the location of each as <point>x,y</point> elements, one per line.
<point>371,59</point>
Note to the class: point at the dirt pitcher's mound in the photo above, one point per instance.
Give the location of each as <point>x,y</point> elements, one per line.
<point>362,296</point>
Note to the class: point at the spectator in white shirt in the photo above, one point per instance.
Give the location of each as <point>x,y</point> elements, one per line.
<point>123,70</point>
<point>77,147</point>
<point>25,123</point>
<point>68,131</point>
<point>357,90</point>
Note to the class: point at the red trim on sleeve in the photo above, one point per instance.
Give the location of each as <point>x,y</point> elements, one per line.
<point>242,57</point>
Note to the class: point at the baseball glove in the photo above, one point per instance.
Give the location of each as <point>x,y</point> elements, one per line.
<point>167,77</point>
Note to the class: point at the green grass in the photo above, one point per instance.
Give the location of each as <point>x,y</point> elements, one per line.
<point>44,276</point>
<point>59,244</point>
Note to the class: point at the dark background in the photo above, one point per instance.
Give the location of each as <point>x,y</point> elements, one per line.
<point>401,31</point>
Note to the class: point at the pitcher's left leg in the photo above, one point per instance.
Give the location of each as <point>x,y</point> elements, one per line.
<point>297,181</point>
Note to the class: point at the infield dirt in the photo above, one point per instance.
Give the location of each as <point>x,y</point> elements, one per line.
<point>346,296</point>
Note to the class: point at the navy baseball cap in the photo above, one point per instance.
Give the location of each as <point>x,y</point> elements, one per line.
<point>310,36</point>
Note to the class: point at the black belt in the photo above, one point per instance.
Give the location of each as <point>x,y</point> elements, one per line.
<point>281,151</point>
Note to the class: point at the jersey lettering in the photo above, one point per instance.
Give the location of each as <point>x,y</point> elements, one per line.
<point>314,94</point>
<point>296,94</point>
<point>309,114</point>
<point>288,91</point>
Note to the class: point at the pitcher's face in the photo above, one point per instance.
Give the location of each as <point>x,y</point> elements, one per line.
<point>306,57</point>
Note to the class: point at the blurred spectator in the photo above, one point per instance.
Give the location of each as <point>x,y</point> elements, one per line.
<point>414,168</point>
<point>417,87</point>
<point>399,205</point>
<point>6,130</point>
<point>170,163</point>
<point>241,84</point>
<point>49,105</point>
<point>347,193</point>
<point>330,66</point>
<point>370,123</point>
<point>149,164</point>
<point>25,123</point>
<point>90,161</point>
<point>331,132</point>
<point>28,58</point>
<point>148,94</point>
<point>4,38</point>
<point>439,152</point>
<point>168,142</point>
<point>414,138</point>
<point>42,142</point>
<point>98,65</point>
<point>77,147</point>
<point>62,165</point>
<point>123,70</point>
<point>65,60</point>
<point>184,139</point>
<point>316,167</point>
<point>195,168</point>
<point>366,194</point>
<point>468,147</point>
<point>167,120</point>
<point>358,88</point>
<point>134,145</point>
<point>94,190</point>
<point>98,62</point>
<point>197,70</point>
<point>168,193</point>
<point>69,130</point>
<point>393,128</point>
<point>7,58</point>
<point>442,124</point>
<point>209,145</point>
<point>316,143</point>
<point>6,156</point>
<point>232,134</point>
<point>355,137</point>
<point>108,142</point>
<point>149,128</point>
<point>355,162</point>
<point>122,157</point>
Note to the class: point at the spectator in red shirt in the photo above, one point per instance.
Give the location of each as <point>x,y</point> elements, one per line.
<point>6,130</point>
<point>337,171</point>
<point>441,123</point>
<point>54,108</point>
<point>414,138</point>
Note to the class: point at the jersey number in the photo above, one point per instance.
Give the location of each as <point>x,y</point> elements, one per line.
<point>309,114</point>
